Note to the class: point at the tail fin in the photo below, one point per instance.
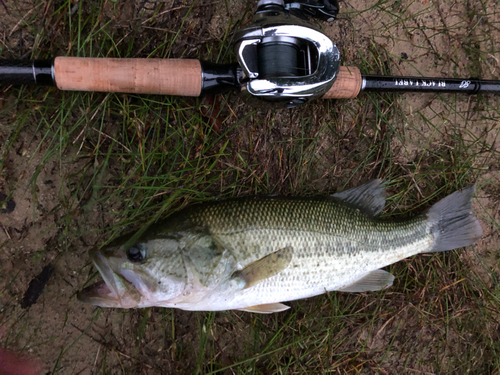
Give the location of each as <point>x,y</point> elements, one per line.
<point>453,222</point>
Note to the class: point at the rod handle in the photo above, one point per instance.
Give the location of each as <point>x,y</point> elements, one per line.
<point>347,85</point>
<point>181,77</point>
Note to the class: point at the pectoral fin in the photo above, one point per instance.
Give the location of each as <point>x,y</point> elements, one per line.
<point>375,280</point>
<point>266,309</point>
<point>264,268</point>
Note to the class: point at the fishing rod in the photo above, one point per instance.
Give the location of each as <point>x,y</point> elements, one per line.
<point>282,59</point>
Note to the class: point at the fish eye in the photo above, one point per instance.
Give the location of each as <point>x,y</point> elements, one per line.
<point>136,253</point>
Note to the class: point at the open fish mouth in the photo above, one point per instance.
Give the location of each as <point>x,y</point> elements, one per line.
<point>113,290</point>
<point>99,294</point>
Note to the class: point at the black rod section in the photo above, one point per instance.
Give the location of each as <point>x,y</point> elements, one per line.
<point>21,72</point>
<point>422,84</point>
<point>219,78</point>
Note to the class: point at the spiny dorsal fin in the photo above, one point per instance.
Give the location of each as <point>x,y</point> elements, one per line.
<point>266,309</point>
<point>369,198</point>
<point>264,268</point>
<point>375,280</point>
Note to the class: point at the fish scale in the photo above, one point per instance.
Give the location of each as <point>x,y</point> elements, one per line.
<point>254,253</point>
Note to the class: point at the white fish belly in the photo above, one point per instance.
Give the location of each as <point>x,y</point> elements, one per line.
<point>320,263</point>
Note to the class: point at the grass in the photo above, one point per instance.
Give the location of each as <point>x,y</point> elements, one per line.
<point>118,161</point>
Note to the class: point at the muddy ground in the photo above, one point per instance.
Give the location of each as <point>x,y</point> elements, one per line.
<point>39,226</point>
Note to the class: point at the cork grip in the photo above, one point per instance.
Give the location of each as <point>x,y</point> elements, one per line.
<point>141,76</point>
<point>347,85</point>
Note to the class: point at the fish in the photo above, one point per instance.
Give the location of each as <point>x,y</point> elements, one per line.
<point>254,253</point>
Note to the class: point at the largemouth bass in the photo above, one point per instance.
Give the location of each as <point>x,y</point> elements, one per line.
<point>252,254</point>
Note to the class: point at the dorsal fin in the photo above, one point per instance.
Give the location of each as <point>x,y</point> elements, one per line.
<point>369,197</point>
<point>265,267</point>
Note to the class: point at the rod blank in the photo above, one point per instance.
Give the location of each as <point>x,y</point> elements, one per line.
<point>20,72</point>
<point>422,84</point>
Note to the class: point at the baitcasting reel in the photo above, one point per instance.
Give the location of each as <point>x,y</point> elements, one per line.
<point>285,60</point>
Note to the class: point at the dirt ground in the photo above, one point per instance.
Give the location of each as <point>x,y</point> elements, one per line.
<point>36,231</point>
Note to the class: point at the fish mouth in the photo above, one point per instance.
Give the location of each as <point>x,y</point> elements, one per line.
<point>99,294</point>
<point>113,290</point>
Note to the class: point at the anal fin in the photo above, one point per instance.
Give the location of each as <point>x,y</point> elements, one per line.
<point>265,267</point>
<point>268,308</point>
<point>372,281</point>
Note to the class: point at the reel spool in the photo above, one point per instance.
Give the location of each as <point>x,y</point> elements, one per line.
<point>285,60</point>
